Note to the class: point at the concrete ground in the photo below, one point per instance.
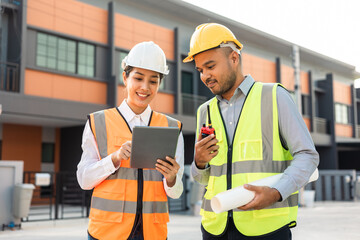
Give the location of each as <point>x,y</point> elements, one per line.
<point>327,220</point>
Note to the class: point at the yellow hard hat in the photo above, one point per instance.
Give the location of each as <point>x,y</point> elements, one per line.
<point>208,36</point>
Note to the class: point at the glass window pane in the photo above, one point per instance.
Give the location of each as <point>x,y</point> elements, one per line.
<point>70,67</point>
<point>61,55</point>
<point>345,114</point>
<point>47,155</point>
<point>337,113</point>
<point>187,82</point>
<point>90,50</point>
<point>71,56</point>
<point>90,61</point>
<point>72,46</point>
<point>86,59</point>
<point>62,44</point>
<point>41,61</point>
<point>51,52</point>
<point>82,59</point>
<point>41,38</point>
<point>122,56</point>
<point>41,49</point>
<point>62,65</point>
<point>90,71</point>
<point>82,48</point>
<point>51,63</point>
<point>52,41</point>
<point>81,69</point>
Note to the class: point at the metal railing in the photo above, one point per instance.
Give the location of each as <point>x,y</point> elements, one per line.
<point>321,125</point>
<point>64,199</point>
<point>334,185</point>
<point>180,204</point>
<point>191,103</point>
<point>358,130</point>
<point>9,77</point>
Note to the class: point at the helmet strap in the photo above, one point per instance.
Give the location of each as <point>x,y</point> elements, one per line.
<point>230,45</point>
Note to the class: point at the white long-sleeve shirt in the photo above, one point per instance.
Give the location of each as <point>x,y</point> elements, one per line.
<point>91,171</point>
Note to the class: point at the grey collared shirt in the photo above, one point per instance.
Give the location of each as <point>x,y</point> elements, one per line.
<point>293,131</point>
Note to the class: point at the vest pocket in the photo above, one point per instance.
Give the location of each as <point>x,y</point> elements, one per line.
<point>251,150</point>
<point>107,206</point>
<point>271,212</point>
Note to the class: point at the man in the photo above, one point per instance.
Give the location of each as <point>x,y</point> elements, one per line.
<point>258,133</point>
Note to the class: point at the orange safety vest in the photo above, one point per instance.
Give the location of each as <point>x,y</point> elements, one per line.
<point>114,202</point>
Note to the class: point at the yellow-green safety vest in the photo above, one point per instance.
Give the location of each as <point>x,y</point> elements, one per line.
<point>255,152</point>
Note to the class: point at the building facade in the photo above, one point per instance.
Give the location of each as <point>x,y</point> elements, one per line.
<point>61,60</point>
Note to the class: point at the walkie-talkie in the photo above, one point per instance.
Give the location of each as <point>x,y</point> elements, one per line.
<point>207,130</point>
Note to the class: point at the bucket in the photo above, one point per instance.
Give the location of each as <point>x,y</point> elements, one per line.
<point>309,198</point>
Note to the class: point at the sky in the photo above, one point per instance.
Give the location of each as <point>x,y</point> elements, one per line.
<point>329,27</point>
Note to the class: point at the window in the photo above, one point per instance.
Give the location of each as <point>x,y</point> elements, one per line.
<point>187,82</point>
<point>47,155</point>
<point>86,59</point>
<point>65,55</point>
<point>342,113</point>
<point>121,58</point>
<point>305,105</point>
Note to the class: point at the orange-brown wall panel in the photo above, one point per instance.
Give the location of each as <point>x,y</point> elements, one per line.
<point>121,94</point>
<point>307,122</point>
<point>342,93</point>
<point>304,79</point>
<point>69,17</point>
<point>287,77</point>
<point>63,87</point>
<point>163,102</point>
<point>21,142</point>
<point>130,31</point>
<point>260,69</point>
<point>343,130</point>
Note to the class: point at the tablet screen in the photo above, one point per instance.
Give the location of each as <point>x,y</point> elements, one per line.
<point>152,143</point>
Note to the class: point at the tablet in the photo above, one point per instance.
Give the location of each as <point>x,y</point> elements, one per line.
<point>152,143</point>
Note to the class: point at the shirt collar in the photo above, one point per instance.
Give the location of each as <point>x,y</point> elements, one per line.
<point>129,115</point>
<point>244,87</point>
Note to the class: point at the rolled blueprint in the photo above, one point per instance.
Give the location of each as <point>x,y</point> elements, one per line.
<point>240,196</point>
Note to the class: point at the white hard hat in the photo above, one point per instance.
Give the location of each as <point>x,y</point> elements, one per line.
<point>147,55</point>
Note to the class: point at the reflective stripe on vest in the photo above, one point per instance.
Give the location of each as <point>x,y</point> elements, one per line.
<point>114,201</point>
<point>256,152</point>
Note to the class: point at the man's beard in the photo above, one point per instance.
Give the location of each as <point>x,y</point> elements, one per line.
<point>229,82</point>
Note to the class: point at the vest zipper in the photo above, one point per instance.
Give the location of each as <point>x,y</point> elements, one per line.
<point>139,203</point>
<point>229,173</point>
<point>140,191</point>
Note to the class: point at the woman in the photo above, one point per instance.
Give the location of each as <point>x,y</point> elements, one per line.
<point>129,203</point>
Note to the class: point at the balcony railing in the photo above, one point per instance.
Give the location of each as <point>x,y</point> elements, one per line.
<point>358,130</point>
<point>321,125</point>
<point>191,102</point>
<point>9,77</point>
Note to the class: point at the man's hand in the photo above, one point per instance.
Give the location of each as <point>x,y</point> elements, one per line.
<point>205,150</point>
<point>169,169</point>
<point>264,197</point>
<point>122,154</point>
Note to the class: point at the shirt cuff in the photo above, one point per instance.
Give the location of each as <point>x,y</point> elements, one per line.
<point>285,187</point>
<point>108,165</point>
<point>176,190</point>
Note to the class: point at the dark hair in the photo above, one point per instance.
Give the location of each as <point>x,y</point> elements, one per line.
<point>128,70</point>
<point>227,51</point>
